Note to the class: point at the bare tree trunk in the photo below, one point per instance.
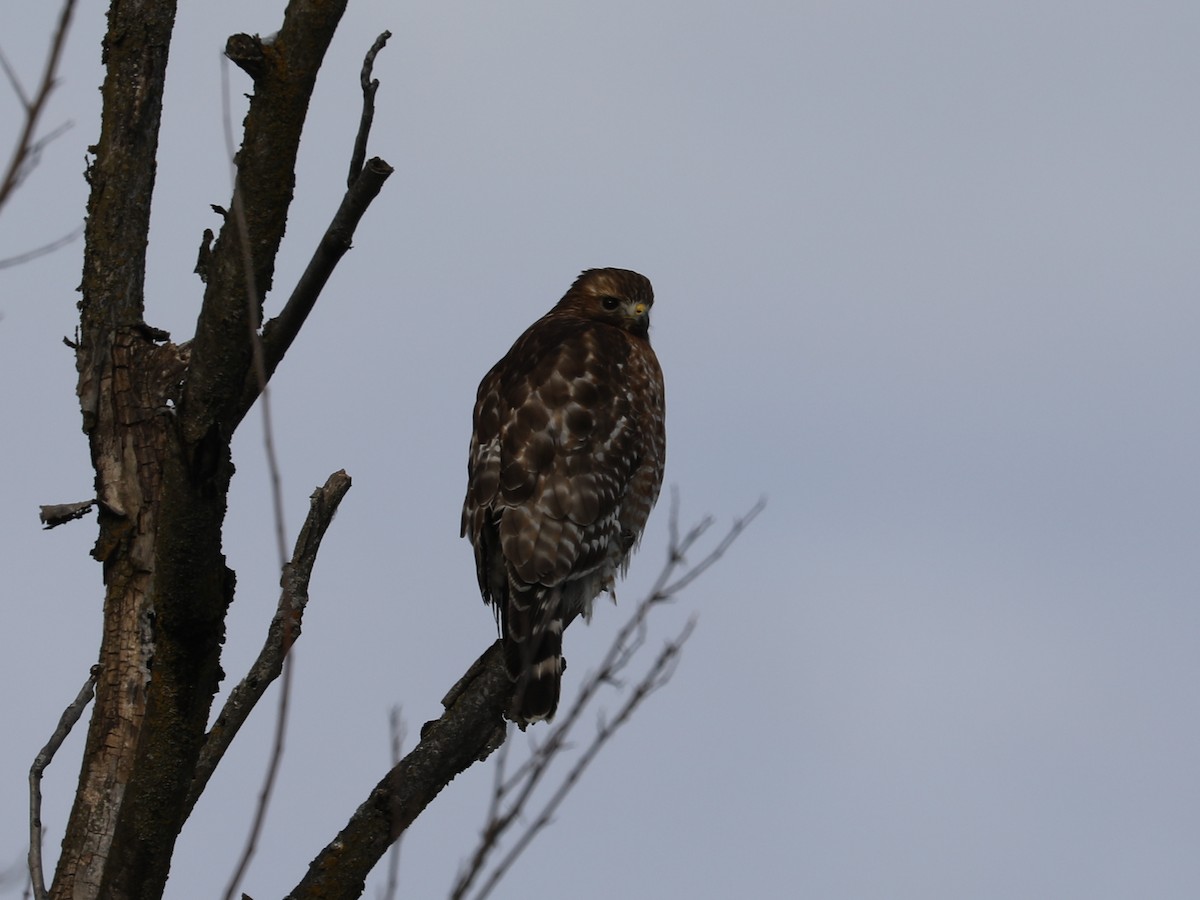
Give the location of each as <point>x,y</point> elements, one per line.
<point>128,438</point>
<point>159,419</point>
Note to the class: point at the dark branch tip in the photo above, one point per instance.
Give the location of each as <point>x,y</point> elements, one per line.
<point>246,52</point>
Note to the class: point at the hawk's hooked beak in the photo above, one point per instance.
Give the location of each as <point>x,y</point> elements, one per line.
<point>639,318</point>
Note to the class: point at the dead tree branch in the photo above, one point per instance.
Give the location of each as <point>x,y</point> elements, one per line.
<point>369,87</point>
<point>66,722</point>
<point>281,634</point>
<point>56,514</point>
<point>281,331</point>
<point>469,730</point>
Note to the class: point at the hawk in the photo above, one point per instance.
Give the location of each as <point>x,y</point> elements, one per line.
<point>566,461</point>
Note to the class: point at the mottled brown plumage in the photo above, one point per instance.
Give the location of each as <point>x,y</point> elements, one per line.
<point>566,462</point>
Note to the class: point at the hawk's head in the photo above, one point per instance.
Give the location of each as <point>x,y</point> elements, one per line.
<point>615,296</point>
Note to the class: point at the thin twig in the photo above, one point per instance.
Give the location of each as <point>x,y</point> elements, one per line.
<point>494,824</point>
<point>260,371</point>
<point>732,535</point>
<point>14,81</point>
<point>518,789</point>
<point>268,785</point>
<point>34,153</point>
<point>396,727</point>
<point>369,87</point>
<point>28,255</point>
<point>512,793</point>
<point>658,675</point>
<point>25,152</point>
<point>66,722</point>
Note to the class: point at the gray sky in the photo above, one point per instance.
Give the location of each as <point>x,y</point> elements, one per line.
<point>926,277</point>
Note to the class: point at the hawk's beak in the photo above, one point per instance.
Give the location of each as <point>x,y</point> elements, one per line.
<point>639,318</point>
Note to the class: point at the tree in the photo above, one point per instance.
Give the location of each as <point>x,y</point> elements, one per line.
<point>159,416</point>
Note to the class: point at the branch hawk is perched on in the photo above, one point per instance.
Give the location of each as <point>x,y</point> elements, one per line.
<point>566,462</point>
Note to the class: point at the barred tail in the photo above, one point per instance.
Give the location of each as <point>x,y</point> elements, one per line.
<point>532,626</point>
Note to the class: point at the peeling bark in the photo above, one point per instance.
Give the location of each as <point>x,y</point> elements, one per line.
<point>126,434</point>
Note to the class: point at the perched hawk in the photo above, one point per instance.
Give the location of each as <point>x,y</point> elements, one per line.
<point>566,461</point>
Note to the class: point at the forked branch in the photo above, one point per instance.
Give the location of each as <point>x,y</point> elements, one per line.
<point>266,163</point>
<point>365,182</point>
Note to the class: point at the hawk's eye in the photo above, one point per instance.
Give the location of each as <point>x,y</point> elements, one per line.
<point>610,303</point>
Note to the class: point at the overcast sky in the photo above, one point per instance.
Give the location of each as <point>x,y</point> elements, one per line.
<point>926,277</point>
